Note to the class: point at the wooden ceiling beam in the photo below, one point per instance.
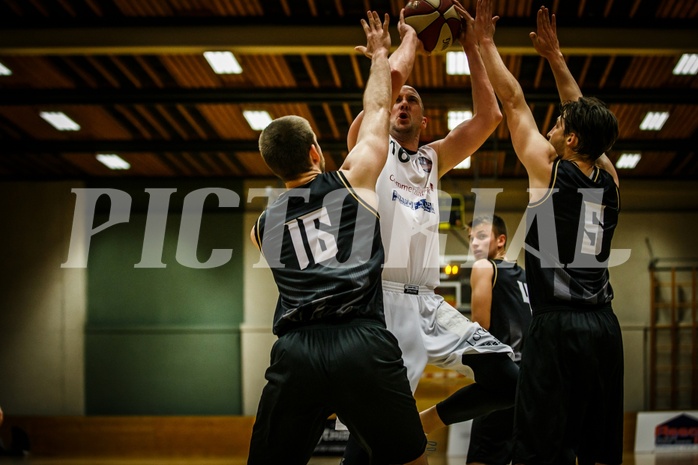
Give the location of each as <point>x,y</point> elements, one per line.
<point>226,146</point>
<point>22,97</point>
<point>289,39</point>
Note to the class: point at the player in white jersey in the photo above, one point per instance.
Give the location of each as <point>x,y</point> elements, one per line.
<point>428,329</point>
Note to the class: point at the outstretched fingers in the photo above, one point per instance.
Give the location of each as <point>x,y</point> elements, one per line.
<point>377,33</point>
<point>546,21</point>
<point>545,38</point>
<point>467,30</point>
<point>485,23</point>
<point>462,12</point>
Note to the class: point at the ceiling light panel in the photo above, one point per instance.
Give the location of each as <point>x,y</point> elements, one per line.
<point>113,161</point>
<point>628,161</point>
<point>257,120</point>
<point>654,120</point>
<point>60,120</point>
<point>223,62</point>
<point>457,63</point>
<point>687,65</point>
<point>5,71</point>
<point>457,117</point>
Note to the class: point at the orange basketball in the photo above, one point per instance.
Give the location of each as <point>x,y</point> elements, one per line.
<point>436,21</point>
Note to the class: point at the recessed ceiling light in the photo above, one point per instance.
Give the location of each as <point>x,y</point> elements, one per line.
<point>457,117</point>
<point>457,63</point>
<point>628,161</point>
<point>4,70</point>
<point>688,64</point>
<point>223,62</point>
<point>654,120</point>
<point>464,165</point>
<point>113,161</point>
<point>257,120</point>
<point>60,120</point>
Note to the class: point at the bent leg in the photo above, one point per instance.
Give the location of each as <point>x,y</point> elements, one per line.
<point>494,389</point>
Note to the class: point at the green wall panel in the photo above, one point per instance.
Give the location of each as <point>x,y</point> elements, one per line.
<point>164,339</point>
<point>176,294</point>
<point>185,372</point>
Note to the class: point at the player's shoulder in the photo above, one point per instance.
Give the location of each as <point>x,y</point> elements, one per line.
<point>605,178</point>
<point>483,264</point>
<point>431,150</point>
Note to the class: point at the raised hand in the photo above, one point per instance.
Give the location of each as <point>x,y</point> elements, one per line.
<point>402,27</point>
<point>377,34</point>
<point>485,23</point>
<point>545,40</point>
<point>467,26</point>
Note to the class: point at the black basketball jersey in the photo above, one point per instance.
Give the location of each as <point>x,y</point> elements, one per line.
<point>568,239</point>
<point>323,244</point>
<point>510,312</point>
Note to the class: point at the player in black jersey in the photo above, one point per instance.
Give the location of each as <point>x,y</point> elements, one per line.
<point>569,402</point>
<point>500,303</point>
<point>321,239</point>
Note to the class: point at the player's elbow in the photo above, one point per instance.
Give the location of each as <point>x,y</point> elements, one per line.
<point>490,118</point>
<point>397,78</point>
<point>495,116</point>
<point>498,116</point>
<point>512,109</point>
<point>512,99</point>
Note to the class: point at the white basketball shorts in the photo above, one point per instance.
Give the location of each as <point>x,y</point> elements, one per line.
<point>430,331</point>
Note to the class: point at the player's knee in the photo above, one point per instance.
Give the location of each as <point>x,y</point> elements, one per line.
<point>499,374</point>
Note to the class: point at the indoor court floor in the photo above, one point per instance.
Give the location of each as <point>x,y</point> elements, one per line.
<point>664,458</point>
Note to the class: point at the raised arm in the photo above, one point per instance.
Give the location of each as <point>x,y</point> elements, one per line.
<point>365,161</point>
<point>468,136</point>
<point>547,45</point>
<point>401,63</point>
<point>532,148</point>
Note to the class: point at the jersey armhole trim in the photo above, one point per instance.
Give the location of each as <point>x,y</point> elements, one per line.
<point>361,201</point>
<point>495,274</point>
<point>257,237</point>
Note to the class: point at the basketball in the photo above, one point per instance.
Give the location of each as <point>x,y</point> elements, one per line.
<point>436,21</point>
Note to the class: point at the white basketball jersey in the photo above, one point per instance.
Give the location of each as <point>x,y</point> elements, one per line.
<point>409,215</point>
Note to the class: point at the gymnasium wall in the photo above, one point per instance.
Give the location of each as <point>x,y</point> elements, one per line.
<point>152,340</point>
<point>42,307</point>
